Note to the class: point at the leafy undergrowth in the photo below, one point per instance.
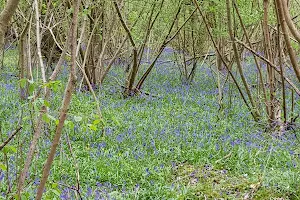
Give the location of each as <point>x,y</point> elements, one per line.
<point>174,145</point>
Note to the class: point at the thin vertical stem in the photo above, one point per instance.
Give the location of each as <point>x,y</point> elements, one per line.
<point>281,66</point>
<point>239,66</point>
<point>287,39</point>
<point>255,59</point>
<point>38,40</point>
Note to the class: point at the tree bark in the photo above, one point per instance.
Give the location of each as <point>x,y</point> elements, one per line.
<point>287,38</point>
<point>289,21</point>
<point>38,40</point>
<point>5,17</point>
<point>269,56</point>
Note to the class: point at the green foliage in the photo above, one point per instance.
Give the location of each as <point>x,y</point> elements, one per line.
<point>157,147</point>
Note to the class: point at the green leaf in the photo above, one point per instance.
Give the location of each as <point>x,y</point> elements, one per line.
<point>46,118</point>
<point>54,185</point>
<point>25,195</point>
<point>116,121</point>
<point>46,103</point>
<point>32,86</point>
<point>23,82</point>
<point>92,127</point>
<point>12,149</point>
<point>16,196</point>
<point>97,121</point>
<point>71,125</point>
<point>53,85</point>
<point>3,167</point>
<point>9,149</point>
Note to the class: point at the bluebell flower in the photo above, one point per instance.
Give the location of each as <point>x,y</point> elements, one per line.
<point>89,192</point>
<point>99,184</point>
<point>137,187</point>
<point>9,87</point>
<point>102,145</point>
<point>64,194</point>
<point>120,138</point>
<point>97,195</point>
<point>36,181</point>
<point>147,172</point>
<point>217,147</point>
<point>1,176</point>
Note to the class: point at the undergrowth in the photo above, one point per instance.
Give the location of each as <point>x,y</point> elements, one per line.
<point>173,144</point>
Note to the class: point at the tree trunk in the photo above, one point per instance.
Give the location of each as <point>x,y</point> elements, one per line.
<point>5,17</point>
<point>287,39</point>
<point>289,21</point>
<point>239,66</point>
<point>65,104</point>
<point>269,56</point>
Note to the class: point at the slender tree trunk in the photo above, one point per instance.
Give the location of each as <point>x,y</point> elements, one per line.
<point>23,69</point>
<point>133,73</point>
<point>287,38</point>
<point>65,104</point>
<point>22,66</point>
<point>255,58</point>
<point>193,70</point>
<point>239,66</point>
<point>5,17</point>
<point>282,71</point>
<point>272,65</point>
<point>289,21</point>
<point>122,42</point>
<point>39,124</point>
<point>38,40</point>
<point>166,41</point>
<point>269,56</point>
<point>28,51</point>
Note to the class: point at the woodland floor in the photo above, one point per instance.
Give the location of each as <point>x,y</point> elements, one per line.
<point>174,145</point>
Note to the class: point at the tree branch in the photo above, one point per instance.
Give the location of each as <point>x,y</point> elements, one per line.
<point>10,138</point>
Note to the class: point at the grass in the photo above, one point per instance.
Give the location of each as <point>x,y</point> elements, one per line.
<point>174,146</point>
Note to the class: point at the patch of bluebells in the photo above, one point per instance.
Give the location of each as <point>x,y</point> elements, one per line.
<point>157,133</point>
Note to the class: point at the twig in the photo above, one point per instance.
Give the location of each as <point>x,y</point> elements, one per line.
<point>10,138</point>
<point>76,165</point>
